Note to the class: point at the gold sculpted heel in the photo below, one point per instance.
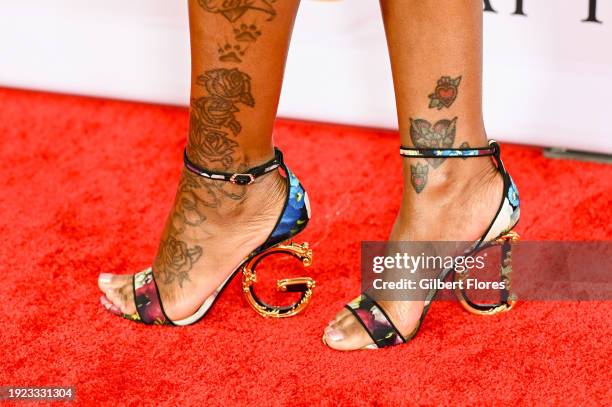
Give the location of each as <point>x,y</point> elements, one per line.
<point>507,298</point>
<point>304,285</point>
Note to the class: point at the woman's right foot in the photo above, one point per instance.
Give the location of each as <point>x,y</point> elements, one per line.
<point>458,204</point>
<point>212,227</point>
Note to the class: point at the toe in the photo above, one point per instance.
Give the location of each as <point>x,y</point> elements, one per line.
<point>107,281</point>
<point>346,333</point>
<point>109,306</point>
<point>114,297</point>
<point>340,316</point>
<point>122,299</point>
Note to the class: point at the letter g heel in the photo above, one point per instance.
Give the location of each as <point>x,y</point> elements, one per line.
<point>507,298</point>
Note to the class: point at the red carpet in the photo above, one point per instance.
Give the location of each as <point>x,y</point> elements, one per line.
<point>86,185</point>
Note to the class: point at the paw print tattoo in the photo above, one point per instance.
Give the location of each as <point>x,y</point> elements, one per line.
<point>231,53</point>
<point>247,33</point>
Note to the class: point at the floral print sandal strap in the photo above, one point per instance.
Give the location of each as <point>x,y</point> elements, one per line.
<point>462,152</point>
<point>296,213</point>
<point>375,321</point>
<point>149,309</point>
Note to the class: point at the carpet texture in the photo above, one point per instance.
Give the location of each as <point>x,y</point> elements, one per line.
<point>86,185</point>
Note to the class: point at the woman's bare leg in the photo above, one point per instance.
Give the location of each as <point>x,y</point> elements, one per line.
<point>436,49</point>
<point>238,59</point>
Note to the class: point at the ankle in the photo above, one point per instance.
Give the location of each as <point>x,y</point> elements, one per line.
<point>223,155</point>
<point>453,176</point>
<point>456,205</point>
<point>267,194</point>
<point>239,202</point>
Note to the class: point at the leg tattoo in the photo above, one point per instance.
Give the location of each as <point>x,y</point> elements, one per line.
<point>445,93</point>
<point>212,119</point>
<point>175,260</point>
<point>245,32</point>
<point>229,84</point>
<point>213,125</point>
<point>419,176</point>
<point>441,135</point>
<point>233,10</point>
<point>209,144</point>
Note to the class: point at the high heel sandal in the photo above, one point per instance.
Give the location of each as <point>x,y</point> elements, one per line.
<point>377,323</point>
<point>293,219</point>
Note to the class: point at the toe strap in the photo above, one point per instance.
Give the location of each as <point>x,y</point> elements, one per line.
<point>149,309</point>
<point>375,321</point>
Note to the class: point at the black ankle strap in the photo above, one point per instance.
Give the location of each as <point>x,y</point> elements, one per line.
<point>244,178</point>
<point>491,150</point>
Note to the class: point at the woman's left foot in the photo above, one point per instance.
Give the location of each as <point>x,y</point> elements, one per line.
<point>457,204</point>
<point>212,227</point>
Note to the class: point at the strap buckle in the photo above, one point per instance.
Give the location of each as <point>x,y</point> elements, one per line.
<point>242,179</point>
<point>246,178</point>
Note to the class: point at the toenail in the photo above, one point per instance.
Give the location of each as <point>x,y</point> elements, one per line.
<point>105,278</point>
<point>334,335</point>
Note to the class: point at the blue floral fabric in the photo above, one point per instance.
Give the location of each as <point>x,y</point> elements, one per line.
<point>456,153</point>
<point>415,152</point>
<point>296,215</point>
<point>513,196</point>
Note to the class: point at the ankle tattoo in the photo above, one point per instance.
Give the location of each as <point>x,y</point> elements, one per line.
<point>175,258</point>
<point>419,176</point>
<point>439,135</point>
<point>445,93</point>
<point>196,194</point>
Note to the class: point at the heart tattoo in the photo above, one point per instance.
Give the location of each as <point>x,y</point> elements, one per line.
<point>439,136</point>
<point>445,93</point>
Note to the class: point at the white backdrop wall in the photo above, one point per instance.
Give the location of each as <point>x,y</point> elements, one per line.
<point>548,75</point>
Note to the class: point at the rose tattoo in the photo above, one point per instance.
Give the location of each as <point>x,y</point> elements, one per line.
<point>175,260</point>
<point>211,146</point>
<point>217,112</point>
<point>229,84</point>
<point>227,88</point>
<point>212,114</point>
